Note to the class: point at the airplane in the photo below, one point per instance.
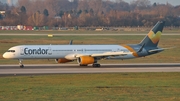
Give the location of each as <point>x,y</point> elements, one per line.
<point>89,54</point>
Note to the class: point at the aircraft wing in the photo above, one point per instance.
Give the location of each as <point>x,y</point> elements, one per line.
<point>106,54</point>
<point>111,54</point>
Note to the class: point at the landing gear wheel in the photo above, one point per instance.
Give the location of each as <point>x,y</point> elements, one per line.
<point>21,64</point>
<point>83,65</point>
<point>96,65</point>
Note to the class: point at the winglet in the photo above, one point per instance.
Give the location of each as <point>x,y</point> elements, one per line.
<point>70,42</point>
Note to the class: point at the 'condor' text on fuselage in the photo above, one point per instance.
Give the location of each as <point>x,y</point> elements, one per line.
<point>38,51</point>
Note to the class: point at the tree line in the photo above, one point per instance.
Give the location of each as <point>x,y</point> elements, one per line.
<point>88,13</point>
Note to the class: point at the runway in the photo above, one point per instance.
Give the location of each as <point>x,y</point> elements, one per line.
<point>74,68</point>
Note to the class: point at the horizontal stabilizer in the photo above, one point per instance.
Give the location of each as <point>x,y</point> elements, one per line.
<point>156,50</point>
<point>160,49</point>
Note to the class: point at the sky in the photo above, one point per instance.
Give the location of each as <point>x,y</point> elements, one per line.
<point>173,2</point>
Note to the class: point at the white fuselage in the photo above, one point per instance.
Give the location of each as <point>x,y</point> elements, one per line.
<point>61,51</point>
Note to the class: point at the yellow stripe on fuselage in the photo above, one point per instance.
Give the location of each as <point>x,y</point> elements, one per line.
<point>134,53</point>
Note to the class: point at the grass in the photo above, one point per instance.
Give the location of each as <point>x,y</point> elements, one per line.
<point>89,87</point>
<point>92,87</point>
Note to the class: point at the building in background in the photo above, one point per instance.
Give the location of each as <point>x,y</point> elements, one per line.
<point>2,14</point>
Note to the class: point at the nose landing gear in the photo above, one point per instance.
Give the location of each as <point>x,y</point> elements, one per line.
<point>21,64</point>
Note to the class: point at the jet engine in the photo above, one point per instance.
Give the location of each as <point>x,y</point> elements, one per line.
<point>62,60</point>
<point>85,60</point>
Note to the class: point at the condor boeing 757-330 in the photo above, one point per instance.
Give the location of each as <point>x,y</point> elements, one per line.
<point>89,54</point>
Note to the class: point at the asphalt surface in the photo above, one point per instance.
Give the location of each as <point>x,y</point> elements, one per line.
<point>36,69</point>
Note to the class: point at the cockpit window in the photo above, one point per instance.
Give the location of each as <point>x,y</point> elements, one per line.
<point>11,51</point>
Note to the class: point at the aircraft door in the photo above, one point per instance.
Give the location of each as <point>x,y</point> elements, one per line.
<point>49,51</point>
<point>21,51</point>
<point>84,50</point>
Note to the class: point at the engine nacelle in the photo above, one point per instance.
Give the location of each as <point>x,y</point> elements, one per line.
<point>85,60</point>
<point>62,60</point>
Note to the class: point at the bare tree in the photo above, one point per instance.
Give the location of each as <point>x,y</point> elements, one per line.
<point>83,5</point>
<point>96,5</point>
<point>36,19</point>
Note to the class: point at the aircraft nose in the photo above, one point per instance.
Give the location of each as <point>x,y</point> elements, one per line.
<point>5,55</point>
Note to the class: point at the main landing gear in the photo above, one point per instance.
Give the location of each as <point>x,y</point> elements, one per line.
<point>96,65</point>
<point>21,64</point>
<point>83,65</point>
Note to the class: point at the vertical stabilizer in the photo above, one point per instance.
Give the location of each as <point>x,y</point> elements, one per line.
<point>153,37</point>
